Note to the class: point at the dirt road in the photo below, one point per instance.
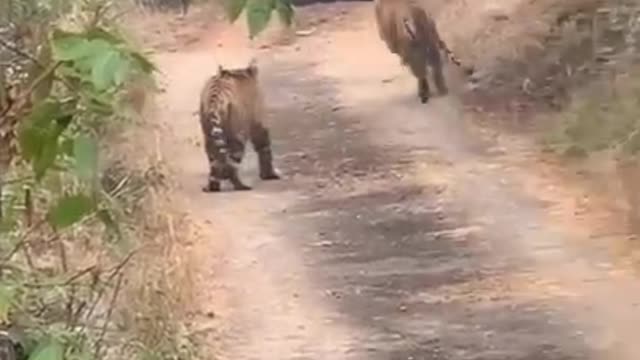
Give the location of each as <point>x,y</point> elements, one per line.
<point>397,232</point>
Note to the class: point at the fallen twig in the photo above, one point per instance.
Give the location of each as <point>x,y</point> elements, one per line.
<point>112,305</point>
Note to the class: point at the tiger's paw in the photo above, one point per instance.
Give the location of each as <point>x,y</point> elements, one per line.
<point>270,176</point>
<point>211,187</point>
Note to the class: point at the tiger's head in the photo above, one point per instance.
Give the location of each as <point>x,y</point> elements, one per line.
<point>250,72</point>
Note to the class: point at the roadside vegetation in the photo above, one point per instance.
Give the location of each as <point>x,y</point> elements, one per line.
<point>91,265</point>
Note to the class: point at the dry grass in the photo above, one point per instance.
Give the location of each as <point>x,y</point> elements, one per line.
<point>509,28</point>
<point>598,133</point>
<point>529,55</point>
<point>561,65</point>
<point>158,295</point>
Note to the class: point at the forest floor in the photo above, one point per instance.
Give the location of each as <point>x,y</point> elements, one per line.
<point>399,230</point>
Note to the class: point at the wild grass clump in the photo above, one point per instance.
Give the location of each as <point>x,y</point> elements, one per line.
<point>605,117</point>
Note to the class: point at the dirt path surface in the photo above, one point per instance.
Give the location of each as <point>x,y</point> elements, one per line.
<point>397,231</point>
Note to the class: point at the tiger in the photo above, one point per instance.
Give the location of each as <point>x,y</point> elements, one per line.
<point>230,113</point>
<point>409,32</point>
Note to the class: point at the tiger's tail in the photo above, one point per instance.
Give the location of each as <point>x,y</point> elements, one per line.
<point>450,55</point>
<point>411,27</point>
<point>468,70</point>
<point>218,149</point>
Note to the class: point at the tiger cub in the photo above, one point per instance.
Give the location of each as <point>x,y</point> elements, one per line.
<point>231,112</point>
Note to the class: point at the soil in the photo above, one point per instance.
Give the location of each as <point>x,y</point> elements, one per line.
<point>399,230</point>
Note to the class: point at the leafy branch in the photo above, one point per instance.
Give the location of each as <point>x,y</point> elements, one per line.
<point>259,12</point>
<point>73,87</point>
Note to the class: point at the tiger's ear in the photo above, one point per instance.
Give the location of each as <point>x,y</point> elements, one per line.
<point>253,66</point>
<point>220,69</point>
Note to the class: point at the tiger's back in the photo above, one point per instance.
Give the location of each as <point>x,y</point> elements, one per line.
<point>390,27</point>
<point>231,100</point>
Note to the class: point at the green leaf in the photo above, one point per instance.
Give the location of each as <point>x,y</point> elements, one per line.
<point>49,349</point>
<point>69,210</point>
<point>85,152</point>
<point>43,125</point>
<point>122,73</point>
<point>49,151</point>
<point>33,133</point>
<point>285,11</point>
<point>68,46</point>
<point>258,15</point>
<point>99,33</point>
<point>234,8</point>
<point>46,159</point>
<point>142,62</point>
<point>66,147</point>
<point>38,136</point>
<point>7,296</point>
<point>105,69</point>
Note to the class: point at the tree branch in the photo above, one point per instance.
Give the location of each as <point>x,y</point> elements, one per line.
<point>112,305</point>
<point>21,53</point>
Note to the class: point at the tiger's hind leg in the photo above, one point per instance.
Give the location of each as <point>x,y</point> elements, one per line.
<point>236,153</point>
<point>216,170</point>
<point>434,62</point>
<point>220,168</point>
<point>261,142</point>
<point>219,171</point>
<point>234,178</point>
<point>424,92</point>
<point>438,78</point>
<point>213,181</point>
<point>417,63</point>
<point>185,7</point>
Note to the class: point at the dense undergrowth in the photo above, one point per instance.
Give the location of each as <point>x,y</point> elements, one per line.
<point>568,70</point>
<point>92,265</point>
<point>601,115</point>
<point>87,264</point>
